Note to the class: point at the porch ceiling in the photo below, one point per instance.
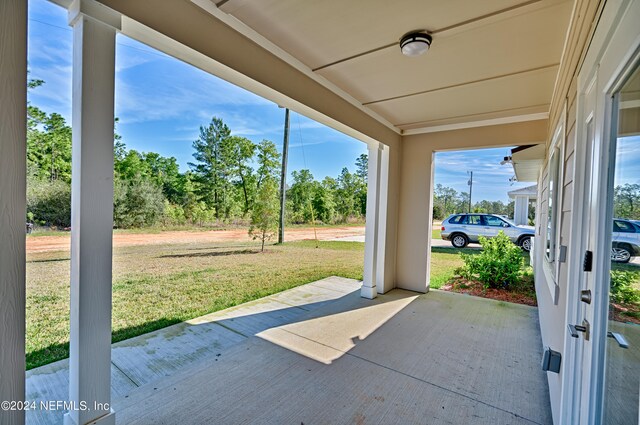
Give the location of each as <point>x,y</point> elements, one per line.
<point>489,60</point>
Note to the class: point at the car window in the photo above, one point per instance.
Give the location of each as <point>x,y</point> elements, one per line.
<point>472,219</point>
<point>456,219</point>
<point>623,226</point>
<point>491,220</point>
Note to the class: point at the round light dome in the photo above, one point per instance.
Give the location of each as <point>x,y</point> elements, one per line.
<point>415,44</point>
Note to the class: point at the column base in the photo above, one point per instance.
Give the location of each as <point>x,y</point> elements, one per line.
<point>369,292</point>
<point>108,419</point>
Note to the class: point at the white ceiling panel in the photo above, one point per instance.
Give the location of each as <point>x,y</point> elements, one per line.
<point>318,32</point>
<point>499,49</point>
<point>498,97</point>
<point>489,59</point>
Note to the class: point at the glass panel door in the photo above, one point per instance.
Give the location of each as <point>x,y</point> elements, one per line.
<point>622,369</point>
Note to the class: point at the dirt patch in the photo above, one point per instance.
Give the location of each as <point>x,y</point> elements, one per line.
<point>62,243</point>
<point>523,294</point>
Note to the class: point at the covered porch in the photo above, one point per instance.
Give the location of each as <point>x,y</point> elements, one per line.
<point>447,357</point>
<point>320,353</point>
<point>462,360</point>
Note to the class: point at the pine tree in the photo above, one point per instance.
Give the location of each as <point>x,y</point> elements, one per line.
<point>212,153</point>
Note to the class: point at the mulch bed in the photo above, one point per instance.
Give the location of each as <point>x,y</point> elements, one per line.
<point>517,295</point>
<point>525,294</point>
<point>627,313</point>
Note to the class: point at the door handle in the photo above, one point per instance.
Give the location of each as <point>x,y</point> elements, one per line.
<point>584,328</point>
<point>621,340</point>
<point>574,329</point>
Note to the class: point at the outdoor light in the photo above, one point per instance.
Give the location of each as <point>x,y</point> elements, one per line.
<point>415,43</point>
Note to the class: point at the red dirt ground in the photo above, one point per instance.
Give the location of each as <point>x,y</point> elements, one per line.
<point>62,243</point>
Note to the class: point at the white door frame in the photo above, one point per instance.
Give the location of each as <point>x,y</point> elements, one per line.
<point>613,50</point>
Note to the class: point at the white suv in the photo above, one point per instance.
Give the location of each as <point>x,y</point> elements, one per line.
<point>462,229</point>
<point>625,240</point>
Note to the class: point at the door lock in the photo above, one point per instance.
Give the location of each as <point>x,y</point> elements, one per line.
<point>585,296</point>
<point>584,328</point>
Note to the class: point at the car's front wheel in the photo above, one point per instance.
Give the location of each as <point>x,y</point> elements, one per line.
<point>620,254</point>
<point>459,240</point>
<point>525,243</point>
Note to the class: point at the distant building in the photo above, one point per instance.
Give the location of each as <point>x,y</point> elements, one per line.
<point>522,198</point>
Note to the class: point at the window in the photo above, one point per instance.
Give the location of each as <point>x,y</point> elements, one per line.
<point>494,221</point>
<point>552,201</point>
<point>554,186</point>
<point>472,219</point>
<point>457,219</point>
<point>623,226</point>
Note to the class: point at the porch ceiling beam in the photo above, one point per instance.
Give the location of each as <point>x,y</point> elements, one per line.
<point>94,36</point>
<point>434,127</point>
<point>478,137</point>
<point>13,160</point>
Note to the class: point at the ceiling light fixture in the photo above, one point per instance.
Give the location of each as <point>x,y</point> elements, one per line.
<point>415,43</point>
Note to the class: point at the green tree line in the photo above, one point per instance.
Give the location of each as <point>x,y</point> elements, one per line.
<point>626,201</point>
<point>231,179</point>
<point>447,201</point>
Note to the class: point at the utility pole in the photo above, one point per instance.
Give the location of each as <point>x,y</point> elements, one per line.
<point>470,183</point>
<point>283,176</point>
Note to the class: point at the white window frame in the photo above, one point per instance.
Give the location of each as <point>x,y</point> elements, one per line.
<point>553,213</point>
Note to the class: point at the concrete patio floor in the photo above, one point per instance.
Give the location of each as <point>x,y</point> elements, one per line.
<point>321,354</point>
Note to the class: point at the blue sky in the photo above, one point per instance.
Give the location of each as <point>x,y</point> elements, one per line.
<point>161,102</point>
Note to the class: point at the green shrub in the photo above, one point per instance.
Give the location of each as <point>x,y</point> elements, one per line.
<point>499,265</point>
<point>173,214</point>
<point>137,203</point>
<point>49,202</point>
<point>622,290</point>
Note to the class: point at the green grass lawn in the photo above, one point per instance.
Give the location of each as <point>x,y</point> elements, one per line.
<point>443,263</point>
<point>158,285</point>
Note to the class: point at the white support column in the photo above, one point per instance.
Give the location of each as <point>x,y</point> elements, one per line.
<point>375,226</point>
<point>381,226</point>
<point>521,210</point>
<point>13,160</point>
<point>94,32</point>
